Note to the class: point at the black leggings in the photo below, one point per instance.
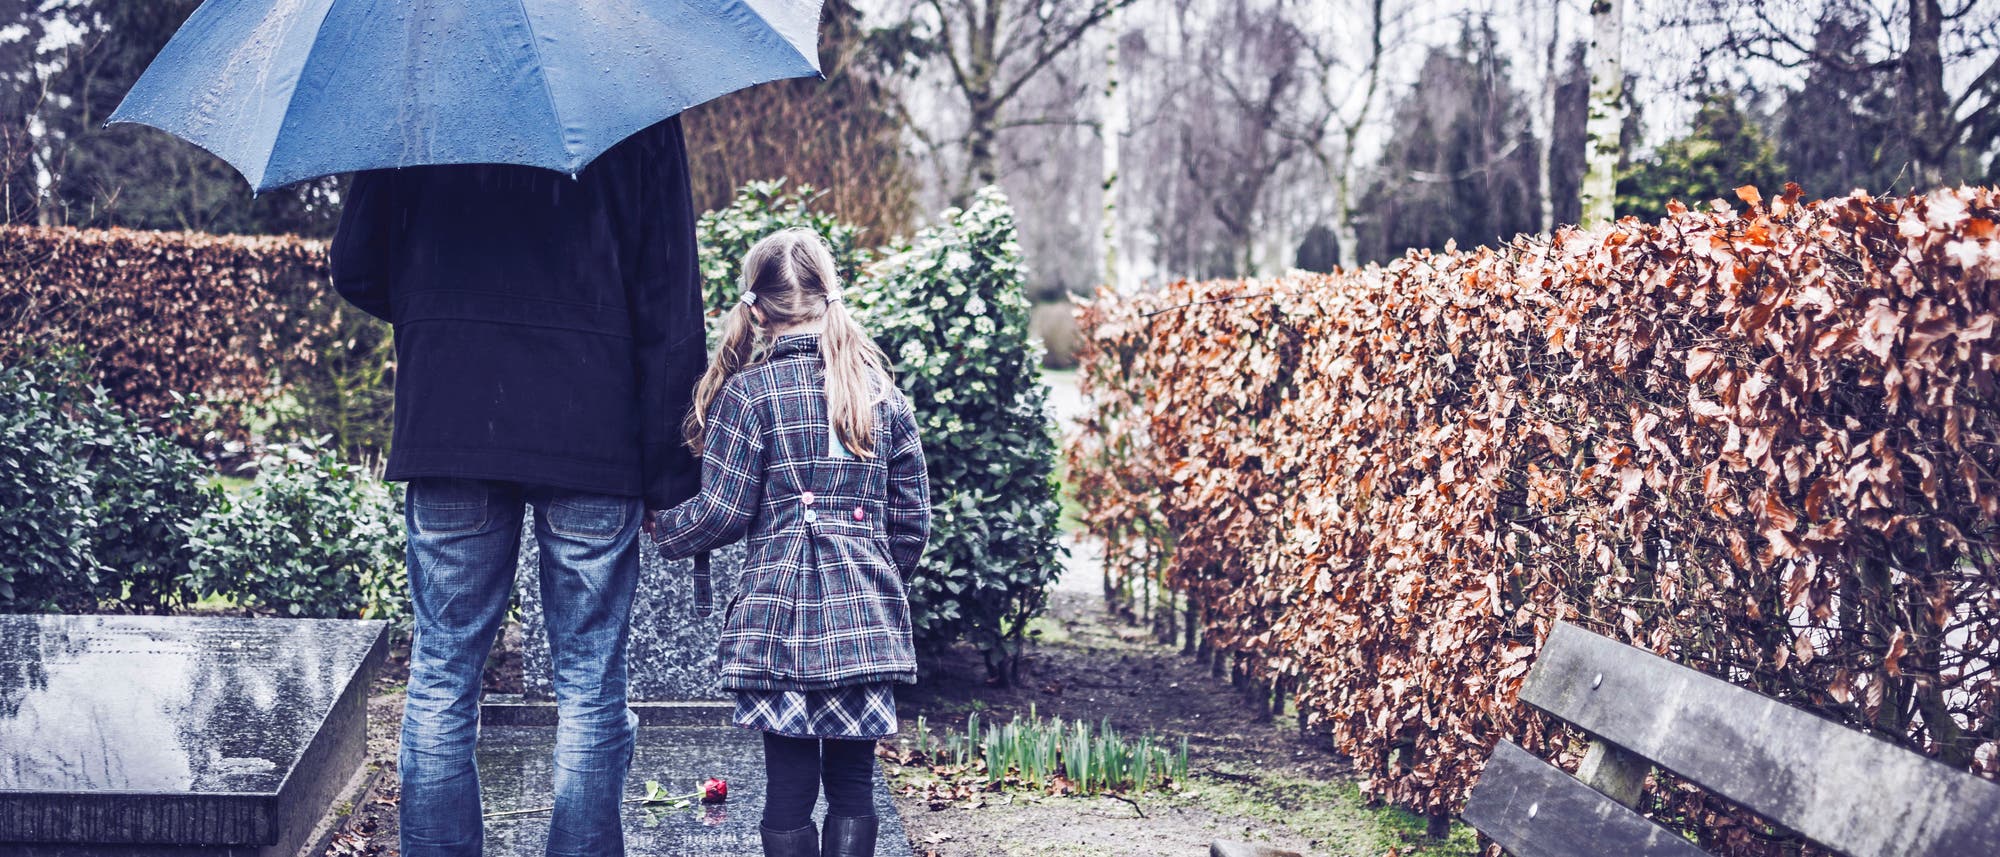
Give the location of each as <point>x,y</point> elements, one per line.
<point>795,767</point>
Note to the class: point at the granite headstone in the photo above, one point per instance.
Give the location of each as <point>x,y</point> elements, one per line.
<point>200,735</point>
<point>671,656</point>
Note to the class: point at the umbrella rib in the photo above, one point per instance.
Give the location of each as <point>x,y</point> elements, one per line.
<point>542,72</point>
<point>278,132</point>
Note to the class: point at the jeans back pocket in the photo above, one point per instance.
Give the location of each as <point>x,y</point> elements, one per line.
<point>588,516</point>
<point>443,506</point>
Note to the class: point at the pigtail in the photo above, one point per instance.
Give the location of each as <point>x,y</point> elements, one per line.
<point>732,354</point>
<point>857,378</point>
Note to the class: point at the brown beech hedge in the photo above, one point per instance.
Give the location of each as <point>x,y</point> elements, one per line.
<point>155,313</point>
<point>1761,440</point>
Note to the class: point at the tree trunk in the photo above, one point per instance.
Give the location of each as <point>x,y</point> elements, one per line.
<point>1607,97</point>
<point>1932,134</point>
<point>1112,130</point>
<point>1348,236</point>
<point>981,160</point>
<point>1550,81</point>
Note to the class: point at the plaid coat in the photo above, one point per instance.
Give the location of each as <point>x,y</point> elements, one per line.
<point>823,601</point>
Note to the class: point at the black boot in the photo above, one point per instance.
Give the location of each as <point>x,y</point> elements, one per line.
<point>803,842</point>
<point>849,837</point>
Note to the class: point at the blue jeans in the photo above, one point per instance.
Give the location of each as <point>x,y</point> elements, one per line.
<point>464,537</point>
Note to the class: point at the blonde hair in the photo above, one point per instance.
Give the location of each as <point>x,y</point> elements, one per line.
<point>789,278</point>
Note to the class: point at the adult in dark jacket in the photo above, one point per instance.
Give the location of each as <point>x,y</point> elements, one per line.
<point>548,339</point>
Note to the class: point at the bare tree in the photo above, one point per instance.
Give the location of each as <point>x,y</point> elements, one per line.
<point>992,49</point>
<point>1923,46</point>
<point>1247,119</point>
<point>1111,133</point>
<point>1352,113</point>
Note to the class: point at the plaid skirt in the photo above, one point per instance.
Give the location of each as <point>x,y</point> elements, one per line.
<point>854,711</point>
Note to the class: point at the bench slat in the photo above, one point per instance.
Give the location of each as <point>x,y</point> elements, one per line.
<point>1838,787</point>
<point>1570,819</point>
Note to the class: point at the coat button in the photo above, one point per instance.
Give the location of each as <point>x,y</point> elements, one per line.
<point>811,516</point>
<point>806,498</point>
<point>859,515</point>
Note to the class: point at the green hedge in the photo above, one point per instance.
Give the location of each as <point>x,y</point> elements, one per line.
<point>98,511</point>
<point>950,308</point>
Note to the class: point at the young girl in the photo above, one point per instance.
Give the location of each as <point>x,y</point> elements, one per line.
<point>809,450</point>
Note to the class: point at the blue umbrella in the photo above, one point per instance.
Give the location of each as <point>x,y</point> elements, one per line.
<point>288,90</point>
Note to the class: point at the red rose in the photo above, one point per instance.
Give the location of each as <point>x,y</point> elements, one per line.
<point>715,790</point>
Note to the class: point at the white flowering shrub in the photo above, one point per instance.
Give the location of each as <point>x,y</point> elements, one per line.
<point>951,310</point>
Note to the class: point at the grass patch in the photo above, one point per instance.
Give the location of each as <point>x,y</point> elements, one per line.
<point>1047,631</point>
<point>1332,813</point>
<point>214,602</point>
<point>1071,520</point>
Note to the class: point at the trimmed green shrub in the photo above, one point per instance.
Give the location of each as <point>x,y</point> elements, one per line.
<point>950,308</point>
<point>91,500</point>
<point>311,536</point>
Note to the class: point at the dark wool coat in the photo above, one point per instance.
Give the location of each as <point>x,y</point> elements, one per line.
<point>833,541</point>
<point>548,328</point>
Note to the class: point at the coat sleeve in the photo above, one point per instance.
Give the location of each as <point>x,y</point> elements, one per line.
<point>663,290</point>
<point>732,482</point>
<point>359,257</point>
<point>909,518</point>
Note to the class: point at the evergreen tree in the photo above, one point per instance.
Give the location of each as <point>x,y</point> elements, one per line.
<point>1319,251</point>
<point>1723,150</point>
<point>1838,132</point>
<point>1461,163</point>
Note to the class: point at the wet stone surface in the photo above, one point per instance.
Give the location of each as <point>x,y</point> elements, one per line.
<point>127,735</point>
<point>167,704</point>
<point>515,773</point>
<point>672,653</point>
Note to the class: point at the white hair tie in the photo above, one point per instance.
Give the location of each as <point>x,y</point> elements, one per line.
<point>749,299</point>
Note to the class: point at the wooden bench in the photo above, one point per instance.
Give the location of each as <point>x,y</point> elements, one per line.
<point>1840,788</point>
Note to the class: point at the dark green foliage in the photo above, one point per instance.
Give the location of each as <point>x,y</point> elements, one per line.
<point>311,536</point>
<point>100,512</point>
<point>950,309</point>
<point>1724,150</point>
<point>1460,164</point>
<point>91,500</point>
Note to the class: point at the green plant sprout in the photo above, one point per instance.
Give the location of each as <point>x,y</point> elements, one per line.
<point>1057,755</point>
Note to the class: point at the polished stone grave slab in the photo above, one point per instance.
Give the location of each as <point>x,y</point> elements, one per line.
<point>128,735</point>
<point>515,773</point>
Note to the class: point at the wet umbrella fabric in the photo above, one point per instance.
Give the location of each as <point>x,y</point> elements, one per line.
<point>288,90</point>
